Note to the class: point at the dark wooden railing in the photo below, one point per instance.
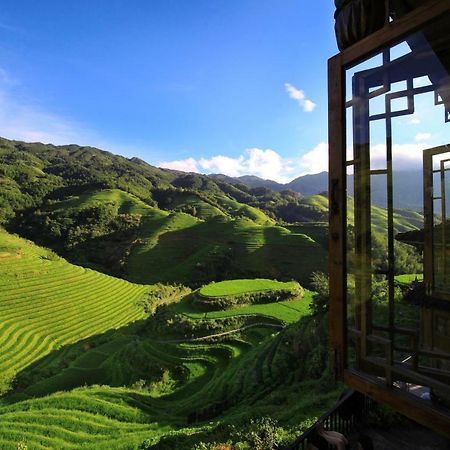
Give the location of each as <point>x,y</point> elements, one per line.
<point>345,417</point>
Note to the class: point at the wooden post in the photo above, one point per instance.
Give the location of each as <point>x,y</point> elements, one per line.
<point>338,214</point>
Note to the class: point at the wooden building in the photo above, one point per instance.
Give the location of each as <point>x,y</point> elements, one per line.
<point>389,109</point>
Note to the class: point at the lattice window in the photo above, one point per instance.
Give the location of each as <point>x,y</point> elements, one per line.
<point>392,332</point>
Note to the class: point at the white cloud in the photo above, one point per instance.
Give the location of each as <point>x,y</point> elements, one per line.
<point>308,106</point>
<point>420,137</point>
<point>267,164</point>
<point>293,92</point>
<point>299,95</point>
<point>316,160</point>
<point>414,121</point>
<point>223,164</point>
<point>184,165</point>
<point>264,163</point>
<point>404,156</point>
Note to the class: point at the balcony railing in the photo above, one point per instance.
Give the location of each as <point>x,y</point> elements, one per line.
<point>345,417</point>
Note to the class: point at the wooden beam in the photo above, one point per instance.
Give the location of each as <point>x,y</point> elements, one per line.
<point>394,31</point>
<point>338,213</point>
<point>407,404</point>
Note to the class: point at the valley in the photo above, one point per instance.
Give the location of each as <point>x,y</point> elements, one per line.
<point>153,309</point>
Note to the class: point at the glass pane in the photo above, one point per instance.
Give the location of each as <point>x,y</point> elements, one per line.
<point>398,237</point>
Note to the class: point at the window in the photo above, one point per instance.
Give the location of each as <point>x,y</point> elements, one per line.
<point>389,212</point>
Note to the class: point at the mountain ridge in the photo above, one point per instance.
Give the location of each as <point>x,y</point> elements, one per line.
<point>408,187</point>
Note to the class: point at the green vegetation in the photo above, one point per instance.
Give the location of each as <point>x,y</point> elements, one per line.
<point>236,287</point>
<point>89,360</point>
<point>409,278</point>
<point>147,225</point>
<point>88,370</point>
<point>230,293</point>
<point>289,311</point>
<point>47,303</point>
<point>183,249</point>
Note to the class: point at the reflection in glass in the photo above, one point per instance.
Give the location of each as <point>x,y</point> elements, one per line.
<point>398,225</point>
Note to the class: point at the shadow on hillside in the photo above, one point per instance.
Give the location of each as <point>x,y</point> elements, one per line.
<point>114,358</point>
<point>289,256</point>
<point>258,381</point>
<point>106,253</point>
<point>194,256</point>
<point>218,250</point>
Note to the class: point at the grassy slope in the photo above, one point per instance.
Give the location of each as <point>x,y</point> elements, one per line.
<point>184,249</point>
<point>404,219</point>
<point>288,311</point>
<point>235,287</point>
<point>409,277</point>
<point>178,247</point>
<point>46,303</point>
<point>126,203</point>
<point>60,334</point>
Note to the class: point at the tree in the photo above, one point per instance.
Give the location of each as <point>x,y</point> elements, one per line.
<point>320,284</point>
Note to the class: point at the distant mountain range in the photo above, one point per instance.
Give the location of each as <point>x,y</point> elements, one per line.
<point>306,184</point>
<point>408,186</point>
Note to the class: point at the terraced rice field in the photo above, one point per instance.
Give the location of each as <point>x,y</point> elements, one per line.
<point>202,376</point>
<point>236,287</point>
<point>102,417</point>
<point>176,247</point>
<point>46,303</point>
<point>289,311</point>
<point>126,203</point>
<point>89,376</point>
<point>181,248</point>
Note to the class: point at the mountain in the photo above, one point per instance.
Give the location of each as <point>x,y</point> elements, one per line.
<point>254,182</point>
<point>310,184</point>
<point>408,187</point>
<point>305,184</point>
<point>249,181</point>
<point>133,360</point>
<point>127,218</point>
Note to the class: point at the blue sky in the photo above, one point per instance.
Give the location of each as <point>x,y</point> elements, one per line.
<point>188,81</point>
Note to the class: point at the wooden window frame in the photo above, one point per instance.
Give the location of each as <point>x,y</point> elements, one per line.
<point>428,189</point>
<point>393,32</point>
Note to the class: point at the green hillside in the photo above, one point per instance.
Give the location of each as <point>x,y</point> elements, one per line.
<point>236,287</point>
<point>185,250</point>
<point>131,220</point>
<point>46,303</point>
<point>116,232</point>
<point>91,371</point>
<point>89,360</point>
<point>124,202</point>
<point>404,219</point>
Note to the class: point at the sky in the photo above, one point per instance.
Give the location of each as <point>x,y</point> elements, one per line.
<point>202,85</point>
<point>212,86</point>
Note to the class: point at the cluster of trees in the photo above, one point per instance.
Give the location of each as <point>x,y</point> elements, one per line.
<point>261,433</point>
<point>287,205</point>
<point>29,173</point>
<point>69,227</point>
<point>167,321</point>
<point>162,294</point>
